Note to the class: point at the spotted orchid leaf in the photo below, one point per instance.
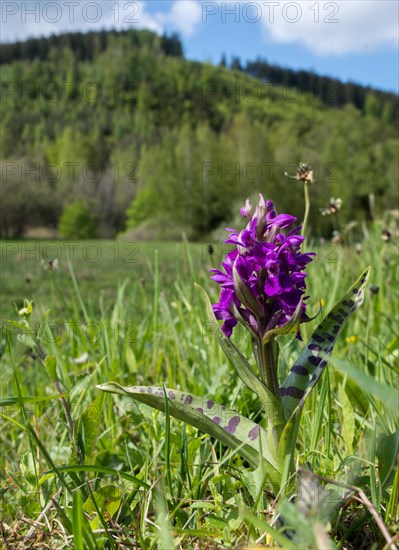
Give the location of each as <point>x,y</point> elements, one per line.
<point>269,401</point>
<point>307,370</point>
<point>236,431</point>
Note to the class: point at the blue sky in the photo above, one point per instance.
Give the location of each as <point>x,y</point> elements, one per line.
<point>348,39</point>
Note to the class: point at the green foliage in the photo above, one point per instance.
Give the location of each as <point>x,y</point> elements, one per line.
<point>78,221</point>
<point>141,208</point>
<point>111,115</point>
<point>26,200</point>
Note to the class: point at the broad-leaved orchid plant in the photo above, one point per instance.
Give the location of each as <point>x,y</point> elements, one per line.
<point>263,288</point>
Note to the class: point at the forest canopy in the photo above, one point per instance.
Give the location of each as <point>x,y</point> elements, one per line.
<point>124,124</point>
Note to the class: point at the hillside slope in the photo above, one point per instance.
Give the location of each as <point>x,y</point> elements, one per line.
<point>112,118</point>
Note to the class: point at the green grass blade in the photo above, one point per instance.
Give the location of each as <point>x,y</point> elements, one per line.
<point>386,394</point>
<point>167,444</point>
<point>75,468</point>
<point>77,519</point>
<point>14,400</point>
<point>78,293</point>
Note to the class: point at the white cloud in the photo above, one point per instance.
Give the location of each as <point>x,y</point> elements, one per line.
<point>323,27</point>
<point>337,28</point>
<point>20,20</point>
<point>184,16</point>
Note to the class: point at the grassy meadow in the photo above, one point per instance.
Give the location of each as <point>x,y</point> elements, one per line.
<point>84,469</point>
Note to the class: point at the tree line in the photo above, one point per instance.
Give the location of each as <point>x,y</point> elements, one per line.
<point>112,131</point>
<point>332,91</point>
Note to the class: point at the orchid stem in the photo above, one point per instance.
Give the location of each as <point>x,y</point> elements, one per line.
<point>271,367</point>
<point>307,209</point>
<point>266,358</point>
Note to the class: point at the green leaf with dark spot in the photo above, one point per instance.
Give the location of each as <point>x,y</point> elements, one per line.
<point>236,431</point>
<point>307,370</point>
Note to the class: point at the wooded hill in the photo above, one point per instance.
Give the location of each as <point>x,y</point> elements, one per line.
<point>107,130</point>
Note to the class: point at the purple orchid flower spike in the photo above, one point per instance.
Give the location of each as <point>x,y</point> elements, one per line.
<point>263,279</point>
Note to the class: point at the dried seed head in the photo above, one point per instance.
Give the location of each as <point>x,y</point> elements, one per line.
<point>386,235</point>
<point>305,173</point>
<point>333,207</point>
